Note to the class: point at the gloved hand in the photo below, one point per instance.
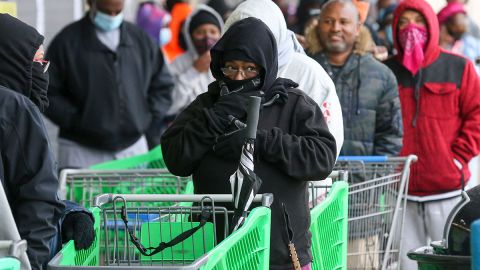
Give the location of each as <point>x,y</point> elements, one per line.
<point>234,104</point>
<point>79,227</point>
<point>229,146</point>
<point>279,87</point>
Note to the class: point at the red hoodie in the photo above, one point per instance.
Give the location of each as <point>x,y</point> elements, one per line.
<point>440,110</point>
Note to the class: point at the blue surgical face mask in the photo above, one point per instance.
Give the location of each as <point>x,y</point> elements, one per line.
<point>106,22</point>
<point>389,34</point>
<point>165,36</point>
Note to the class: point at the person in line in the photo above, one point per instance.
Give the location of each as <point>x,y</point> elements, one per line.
<point>473,28</point>
<point>293,64</point>
<point>441,118</point>
<point>293,143</point>
<point>191,70</point>
<point>367,88</point>
<point>179,10</point>
<point>109,88</point>
<point>454,34</point>
<point>28,171</point>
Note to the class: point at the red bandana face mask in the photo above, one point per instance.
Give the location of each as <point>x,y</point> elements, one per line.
<point>413,39</point>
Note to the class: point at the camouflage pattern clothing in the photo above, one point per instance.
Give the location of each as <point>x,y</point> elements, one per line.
<point>368,94</point>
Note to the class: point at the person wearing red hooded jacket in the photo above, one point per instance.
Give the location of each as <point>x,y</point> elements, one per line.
<point>440,99</point>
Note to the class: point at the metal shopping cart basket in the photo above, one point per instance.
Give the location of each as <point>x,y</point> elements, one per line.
<point>151,160</point>
<point>328,223</point>
<point>377,186</point>
<point>138,226</point>
<point>83,185</point>
<point>12,248</point>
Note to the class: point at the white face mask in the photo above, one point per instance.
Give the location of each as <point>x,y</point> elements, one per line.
<point>165,36</point>
<point>106,22</point>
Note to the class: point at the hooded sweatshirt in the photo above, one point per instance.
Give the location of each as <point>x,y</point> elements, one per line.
<point>293,143</point>
<point>440,110</point>
<point>189,83</point>
<point>27,169</point>
<point>295,65</point>
<point>16,58</point>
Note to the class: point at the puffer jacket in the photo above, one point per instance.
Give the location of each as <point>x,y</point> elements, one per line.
<point>367,90</point>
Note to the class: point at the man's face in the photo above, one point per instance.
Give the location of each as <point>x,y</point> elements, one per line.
<point>338,27</point>
<point>206,30</point>
<point>411,16</point>
<point>109,7</point>
<point>457,25</point>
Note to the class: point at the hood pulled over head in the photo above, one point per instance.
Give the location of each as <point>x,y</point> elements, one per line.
<point>432,49</point>
<point>18,44</point>
<point>252,38</point>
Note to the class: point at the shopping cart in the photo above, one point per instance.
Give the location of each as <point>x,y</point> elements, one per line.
<point>139,231</point>
<point>12,247</point>
<point>151,160</point>
<point>328,223</point>
<point>10,252</point>
<point>83,185</point>
<point>375,211</point>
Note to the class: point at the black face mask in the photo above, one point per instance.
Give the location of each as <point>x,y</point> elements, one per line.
<point>39,86</point>
<point>246,85</point>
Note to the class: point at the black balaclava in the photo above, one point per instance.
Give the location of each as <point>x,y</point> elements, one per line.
<point>251,40</point>
<point>18,44</point>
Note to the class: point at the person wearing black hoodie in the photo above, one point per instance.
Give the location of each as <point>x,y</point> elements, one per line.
<point>293,143</point>
<point>28,171</point>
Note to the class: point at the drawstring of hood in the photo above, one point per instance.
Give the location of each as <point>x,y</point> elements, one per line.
<point>417,82</point>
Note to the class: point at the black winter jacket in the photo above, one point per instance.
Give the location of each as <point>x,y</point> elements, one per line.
<point>293,142</point>
<point>293,146</point>
<point>106,99</point>
<point>27,173</point>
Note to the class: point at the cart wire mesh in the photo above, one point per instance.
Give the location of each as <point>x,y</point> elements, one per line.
<point>130,225</point>
<point>83,185</point>
<point>377,186</point>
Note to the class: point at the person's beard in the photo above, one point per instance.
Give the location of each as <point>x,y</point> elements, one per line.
<point>455,35</point>
<point>336,47</point>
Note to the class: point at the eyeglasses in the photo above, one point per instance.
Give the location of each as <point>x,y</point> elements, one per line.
<point>45,64</point>
<point>248,72</point>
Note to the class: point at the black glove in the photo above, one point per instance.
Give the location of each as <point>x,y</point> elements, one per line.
<point>229,146</point>
<point>79,227</point>
<point>234,104</point>
<point>279,87</point>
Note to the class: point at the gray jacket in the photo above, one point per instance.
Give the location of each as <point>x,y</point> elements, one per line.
<point>368,93</point>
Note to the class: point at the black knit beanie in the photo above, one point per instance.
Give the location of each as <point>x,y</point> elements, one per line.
<point>203,17</point>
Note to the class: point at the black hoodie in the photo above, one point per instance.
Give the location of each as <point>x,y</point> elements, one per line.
<point>27,168</point>
<point>19,43</point>
<point>293,143</point>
